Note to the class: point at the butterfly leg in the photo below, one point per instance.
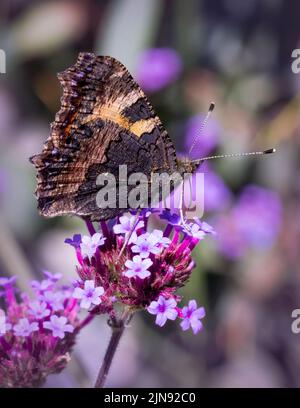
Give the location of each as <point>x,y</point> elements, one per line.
<point>183,221</point>
<point>182,217</point>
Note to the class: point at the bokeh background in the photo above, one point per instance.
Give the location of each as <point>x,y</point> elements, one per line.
<point>184,54</point>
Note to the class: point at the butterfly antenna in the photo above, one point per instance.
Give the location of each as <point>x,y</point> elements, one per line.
<point>203,124</point>
<point>225,156</point>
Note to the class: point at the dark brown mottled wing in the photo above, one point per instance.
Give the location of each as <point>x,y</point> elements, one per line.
<point>105,120</point>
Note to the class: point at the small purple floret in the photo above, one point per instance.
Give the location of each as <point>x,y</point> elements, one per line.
<point>164,309</point>
<point>89,295</point>
<point>191,317</point>
<point>24,328</point>
<point>58,326</point>
<point>138,267</point>
<point>75,241</point>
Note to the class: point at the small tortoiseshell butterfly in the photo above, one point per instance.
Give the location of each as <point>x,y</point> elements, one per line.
<point>105,121</point>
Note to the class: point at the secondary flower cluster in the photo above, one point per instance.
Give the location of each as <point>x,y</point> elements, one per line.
<point>36,335</point>
<point>146,275</point>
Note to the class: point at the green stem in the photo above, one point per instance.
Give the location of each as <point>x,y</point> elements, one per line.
<point>118,327</point>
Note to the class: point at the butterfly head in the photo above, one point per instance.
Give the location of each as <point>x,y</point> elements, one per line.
<point>186,165</point>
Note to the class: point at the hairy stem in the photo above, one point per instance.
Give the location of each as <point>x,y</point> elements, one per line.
<point>118,327</point>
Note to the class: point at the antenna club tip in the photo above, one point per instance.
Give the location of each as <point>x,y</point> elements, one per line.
<point>269,151</point>
<point>211,106</point>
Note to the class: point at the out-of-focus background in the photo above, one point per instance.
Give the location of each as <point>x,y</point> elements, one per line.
<point>184,54</point>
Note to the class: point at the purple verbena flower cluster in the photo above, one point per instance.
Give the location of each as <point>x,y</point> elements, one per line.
<point>146,275</point>
<point>36,334</point>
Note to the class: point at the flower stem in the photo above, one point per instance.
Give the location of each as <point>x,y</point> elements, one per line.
<point>118,327</point>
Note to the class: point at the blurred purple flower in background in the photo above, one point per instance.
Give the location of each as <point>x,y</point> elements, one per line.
<point>157,68</point>
<point>254,222</point>
<point>217,195</point>
<point>36,339</point>
<point>258,214</point>
<point>230,242</point>
<point>3,181</point>
<point>207,141</point>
